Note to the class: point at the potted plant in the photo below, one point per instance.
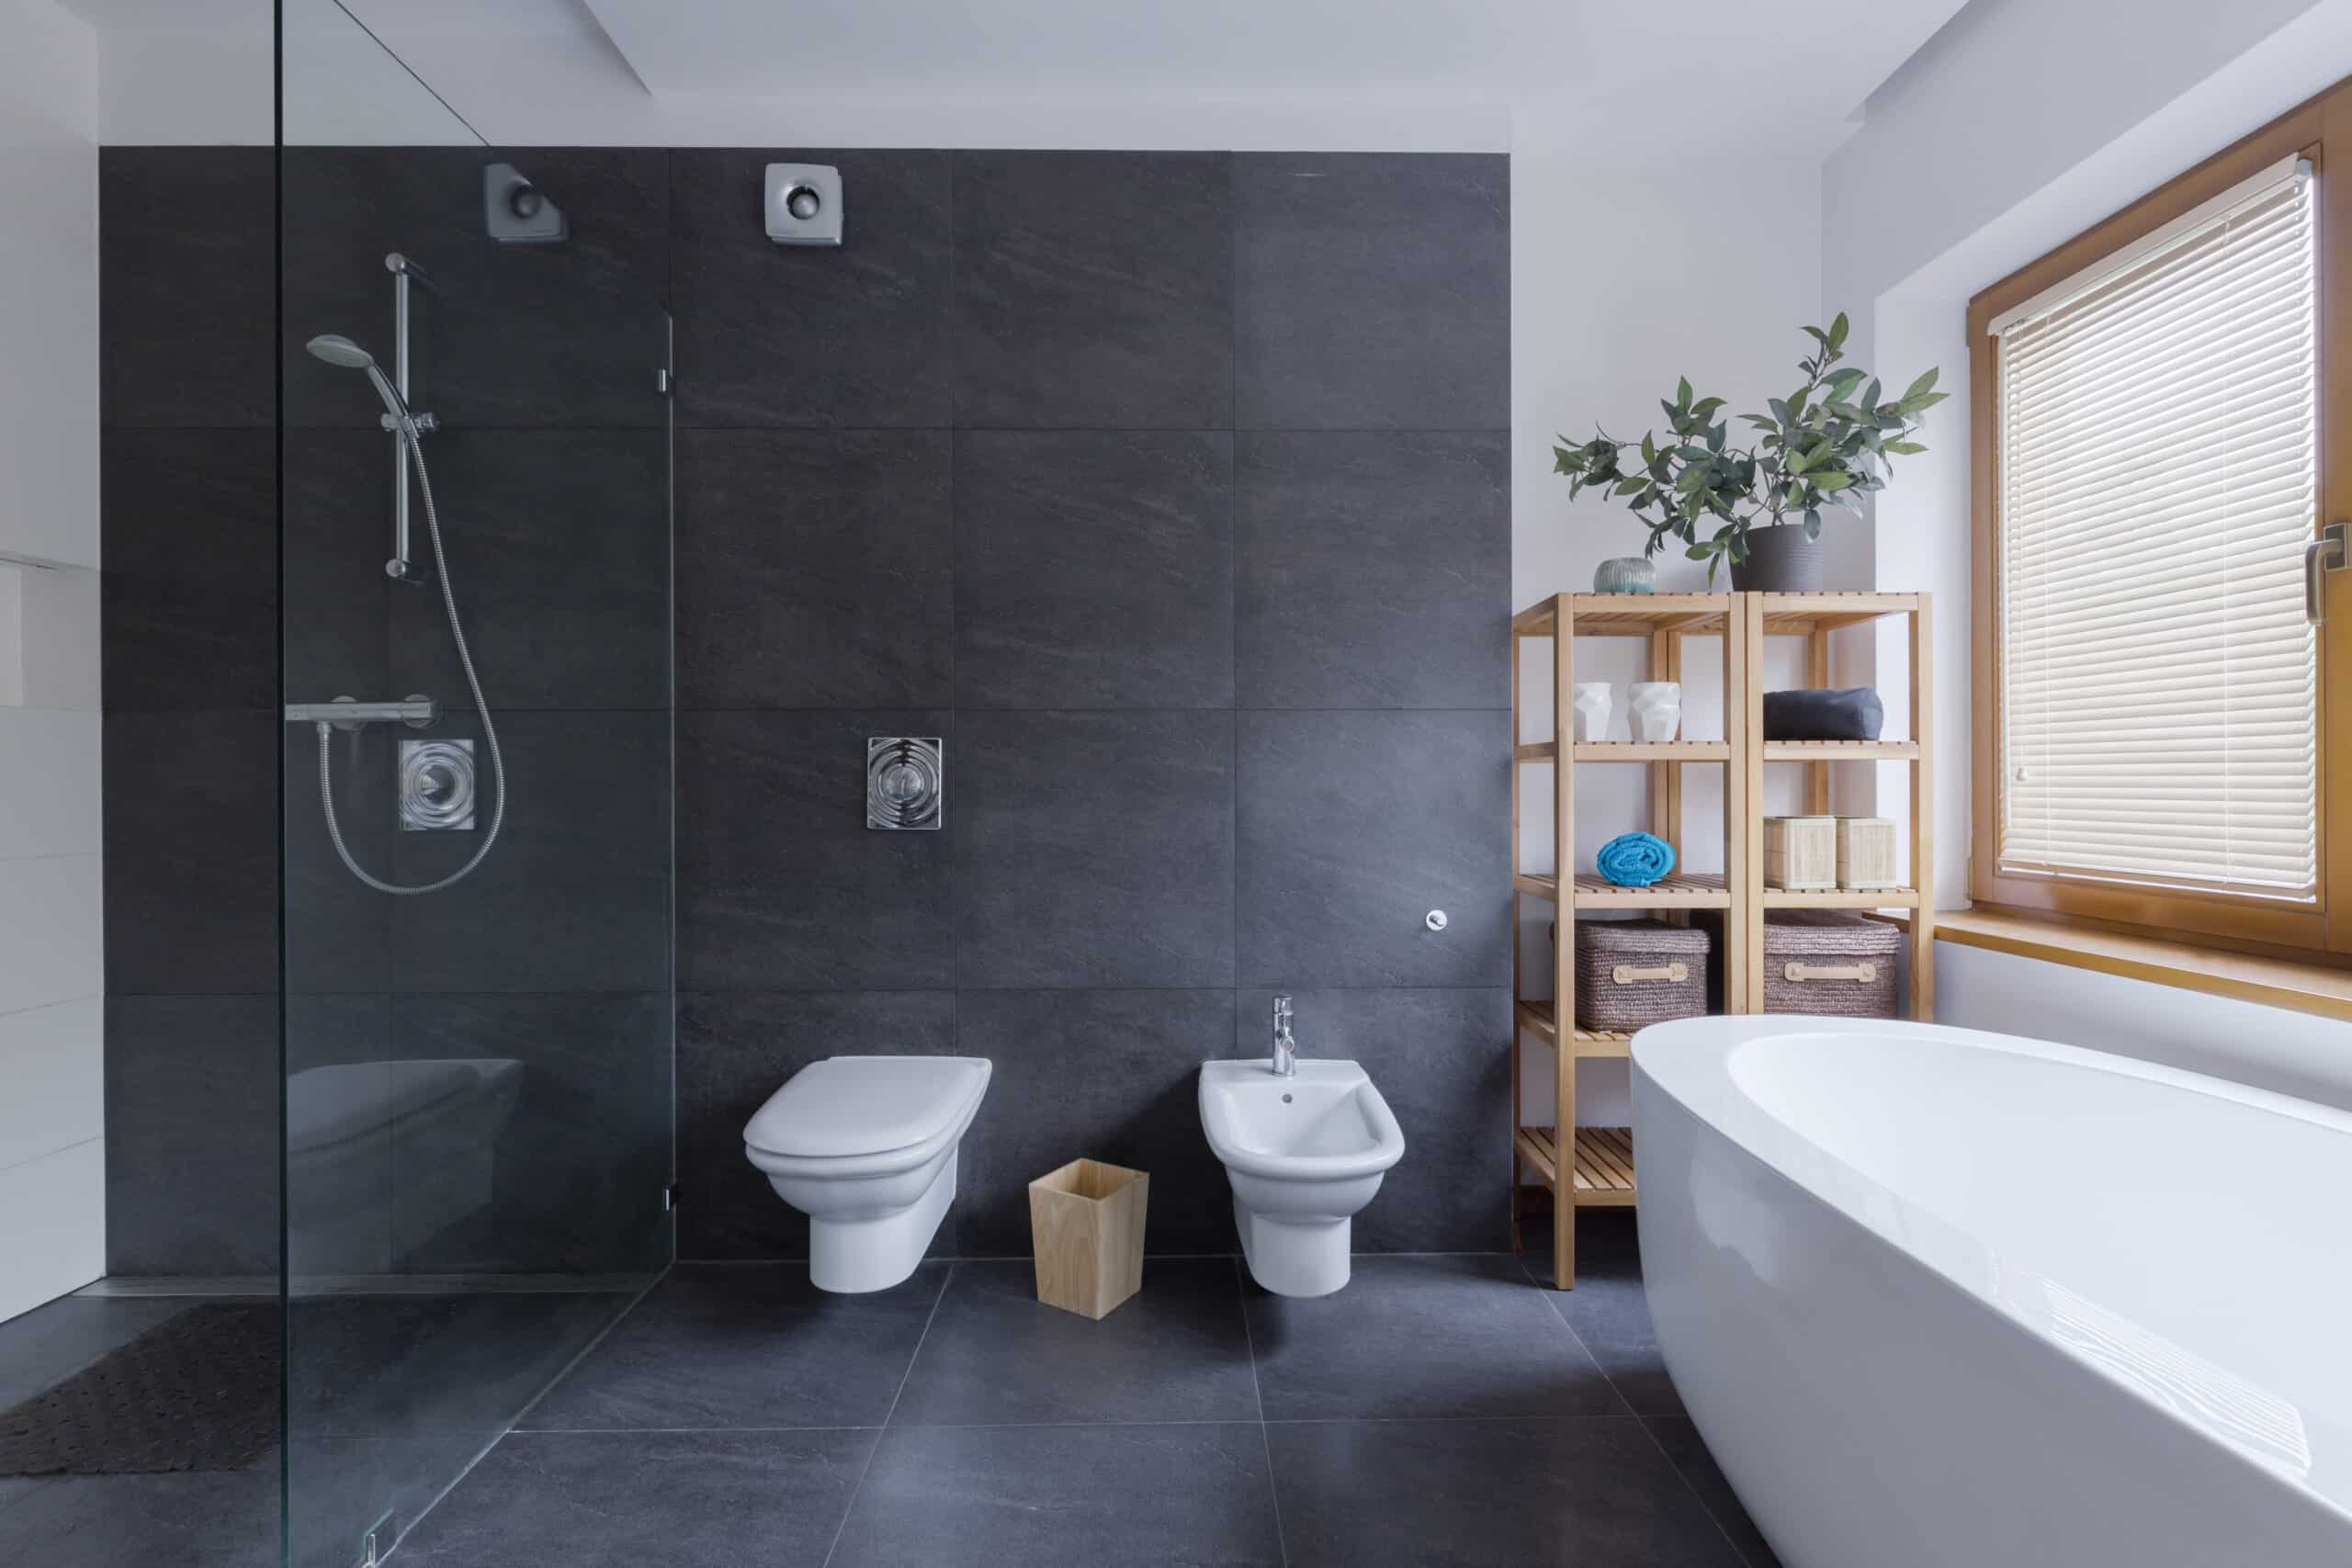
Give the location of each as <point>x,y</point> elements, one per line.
<point>1823,447</point>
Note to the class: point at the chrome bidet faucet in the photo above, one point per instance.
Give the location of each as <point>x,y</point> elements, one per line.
<point>1285,1058</point>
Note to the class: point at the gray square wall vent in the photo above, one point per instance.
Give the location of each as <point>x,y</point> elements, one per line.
<point>905,781</point>
<point>804,204</point>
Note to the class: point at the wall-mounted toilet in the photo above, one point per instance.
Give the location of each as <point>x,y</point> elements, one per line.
<point>865,1147</point>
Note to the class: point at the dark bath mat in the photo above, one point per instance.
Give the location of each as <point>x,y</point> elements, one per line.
<point>195,1392</point>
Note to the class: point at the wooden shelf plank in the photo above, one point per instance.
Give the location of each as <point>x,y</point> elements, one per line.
<point>1796,614</point>
<point>1838,750</point>
<point>1535,1016</point>
<point>1648,750</point>
<point>1604,1168</point>
<point>1537,885</point>
<point>1535,751</point>
<point>1534,1146</point>
<point>1842,898</point>
<point>1629,614</point>
<point>1675,892</point>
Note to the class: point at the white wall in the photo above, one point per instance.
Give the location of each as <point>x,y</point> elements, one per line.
<point>1622,281</point>
<point>52,1195</point>
<point>2022,123</point>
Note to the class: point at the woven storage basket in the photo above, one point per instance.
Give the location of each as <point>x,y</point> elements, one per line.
<point>1821,962</point>
<point>1631,973</point>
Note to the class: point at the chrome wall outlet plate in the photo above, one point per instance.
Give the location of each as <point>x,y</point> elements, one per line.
<point>436,786</point>
<point>804,204</point>
<point>906,781</point>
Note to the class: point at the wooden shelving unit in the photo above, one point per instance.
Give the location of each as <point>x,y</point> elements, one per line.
<point>1599,1171</point>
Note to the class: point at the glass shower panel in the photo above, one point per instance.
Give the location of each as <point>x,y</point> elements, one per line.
<point>479,1075</point>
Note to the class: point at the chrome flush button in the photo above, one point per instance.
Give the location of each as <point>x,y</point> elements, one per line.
<point>905,781</point>
<point>436,786</point>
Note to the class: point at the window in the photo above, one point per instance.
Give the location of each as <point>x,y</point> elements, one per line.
<point>2152,695</point>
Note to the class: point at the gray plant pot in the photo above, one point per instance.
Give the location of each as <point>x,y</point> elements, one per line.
<point>1780,560</point>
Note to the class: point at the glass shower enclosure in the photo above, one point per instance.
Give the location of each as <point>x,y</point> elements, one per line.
<point>477,788</point>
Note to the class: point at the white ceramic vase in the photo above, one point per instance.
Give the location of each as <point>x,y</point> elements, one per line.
<point>1656,710</point>
<point>1591,708</point>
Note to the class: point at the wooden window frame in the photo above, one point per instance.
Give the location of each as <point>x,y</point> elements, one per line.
<point>2245,922</point>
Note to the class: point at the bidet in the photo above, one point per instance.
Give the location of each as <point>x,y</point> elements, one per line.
<point>1304,1153</point>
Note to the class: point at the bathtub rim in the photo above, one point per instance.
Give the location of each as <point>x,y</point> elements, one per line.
<point>1689,1062</point>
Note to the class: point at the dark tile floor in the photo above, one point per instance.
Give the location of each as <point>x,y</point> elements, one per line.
<point>392,1397</point>
<point>1440,1410</point>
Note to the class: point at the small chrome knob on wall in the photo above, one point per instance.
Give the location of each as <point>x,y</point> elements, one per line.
<point>1434,920</point>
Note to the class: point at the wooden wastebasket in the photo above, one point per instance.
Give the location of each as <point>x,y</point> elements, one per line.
<point>1086,1225</point>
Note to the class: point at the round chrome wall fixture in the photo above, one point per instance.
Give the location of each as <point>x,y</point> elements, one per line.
<point>905,781</point>
<point>436,786</point>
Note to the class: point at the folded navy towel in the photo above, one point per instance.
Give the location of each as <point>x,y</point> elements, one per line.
<point>1847,713</point>
<point>1635,859</point>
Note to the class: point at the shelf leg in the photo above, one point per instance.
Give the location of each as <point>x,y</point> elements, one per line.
<point>1564,953</point>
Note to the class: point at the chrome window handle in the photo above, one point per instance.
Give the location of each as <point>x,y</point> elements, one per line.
<point>2328,552</point>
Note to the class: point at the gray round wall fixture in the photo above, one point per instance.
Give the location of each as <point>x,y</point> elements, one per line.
<point>905,781</point>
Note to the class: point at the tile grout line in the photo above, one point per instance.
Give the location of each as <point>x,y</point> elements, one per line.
<point>850,1507</point>
<point>1639,1419</point>
<point>1265,1436</point>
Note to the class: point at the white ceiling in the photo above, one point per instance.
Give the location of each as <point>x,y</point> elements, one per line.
<point>1625,82</point>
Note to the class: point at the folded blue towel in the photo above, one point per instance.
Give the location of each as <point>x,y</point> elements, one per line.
<point>1635,859</point>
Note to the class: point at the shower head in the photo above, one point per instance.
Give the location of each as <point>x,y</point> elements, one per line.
<point>336,349</point>
<point>339,350</point>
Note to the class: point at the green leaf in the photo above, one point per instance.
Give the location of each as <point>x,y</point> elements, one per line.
<point>1906,448</point>
<point>1627,487</point>
<point>1682,394</point>
<point>1837,332</point>
<point>1704,409</point>
<point>1925,380</point>
<point>1828,483</point>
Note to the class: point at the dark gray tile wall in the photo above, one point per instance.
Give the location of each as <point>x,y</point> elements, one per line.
<point>1171,490</point>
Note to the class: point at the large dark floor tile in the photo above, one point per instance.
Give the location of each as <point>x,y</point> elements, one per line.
<point>735,1049</point>
<point>1094,289</point>
<point>1352,827</point>
<point>628,1499</point>
<point>1108,1075</point>
<point>1429,1052</point>
<point>558,545</point>
<point>1472,1493</point>
<point>745,1344</point>
<point>187,281</point>
<point>1372,291</point>
<point>411,1365</point>
<point>1679,1436</point>
<point>1065,1498</point>
<point>192,1519</point>
<point>1094,849</point>
<point>1374,569</point>
<point>575,895</point>
<point>995,1354</point>
<point>1607,1309</point>
<point>192,1134</point>
<point>191,851</point>
<point>848,337</point>
<point>1427,1336</point>
<point>339,1491</point>
<point>781,884</point>
<point>815,568</point>
<point>1093,568</point>
<point>190,584</point>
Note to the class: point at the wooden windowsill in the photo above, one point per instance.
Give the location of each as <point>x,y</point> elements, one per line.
<point>2273,982</point>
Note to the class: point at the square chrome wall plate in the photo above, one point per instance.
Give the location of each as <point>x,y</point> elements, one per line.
<point>804,204</point>
<point>436,786</point>
<point>906,781</point>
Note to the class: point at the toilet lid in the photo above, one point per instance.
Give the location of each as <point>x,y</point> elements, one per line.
<point>866,1105</point>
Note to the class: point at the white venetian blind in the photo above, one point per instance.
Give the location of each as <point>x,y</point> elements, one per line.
<point>2157,473</point>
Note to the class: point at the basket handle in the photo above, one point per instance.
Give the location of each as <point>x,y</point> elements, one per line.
<point>1625,974</point>
<point>1865,972</point>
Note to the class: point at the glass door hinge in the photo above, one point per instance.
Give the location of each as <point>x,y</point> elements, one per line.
<point>663,381</point>
<point>669,1197</point>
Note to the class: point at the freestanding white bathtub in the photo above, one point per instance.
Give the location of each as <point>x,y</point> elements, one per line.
<point>1937,1297</point>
